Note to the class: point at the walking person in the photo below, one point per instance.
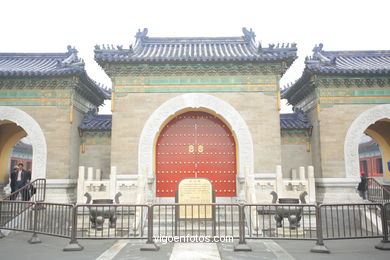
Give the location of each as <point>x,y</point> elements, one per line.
<point>363,185</point>
<point>22,178</point>
<point>13,175</point>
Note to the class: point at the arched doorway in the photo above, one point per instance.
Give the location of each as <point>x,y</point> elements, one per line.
<point>196,144</point>
<point>380,132</point>
<point>15,124</point>
<point>10,134</point>
<point>370,157</point>
<point>375,122</point>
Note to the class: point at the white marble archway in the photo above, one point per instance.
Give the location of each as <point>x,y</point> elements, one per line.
<point>195,101</point>
<point>355,131</point>
<point>35,135</point>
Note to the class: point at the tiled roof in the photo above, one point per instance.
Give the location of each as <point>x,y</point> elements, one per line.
<point>21,147</point>
<point>50,64</point>
<point>296,120</point>
<point>340,63</point>
<point>348,62</point>
<point>40,64</point>
<point>198,49</point>
<point>96,122</point>
<point>370,146</point>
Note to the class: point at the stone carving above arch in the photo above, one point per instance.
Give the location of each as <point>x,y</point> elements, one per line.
<point>355,131</point>
<point>195,101</point>
<point>35,135</point>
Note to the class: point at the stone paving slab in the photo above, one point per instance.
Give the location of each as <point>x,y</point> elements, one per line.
<point>15,246</point>
<point>195,251</point>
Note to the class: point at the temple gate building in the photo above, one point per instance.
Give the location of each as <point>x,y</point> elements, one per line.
<point>203,107</point>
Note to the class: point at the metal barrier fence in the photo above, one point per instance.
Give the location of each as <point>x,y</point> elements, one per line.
<point>377,192</point>
<point>196,220</point>
<point>349,221</point>
<point>54,219</point>
<point>34,191</point>
<point>111,221</point>
<point>16,215</point>
<point>239,221</point>
<point>281,221</point>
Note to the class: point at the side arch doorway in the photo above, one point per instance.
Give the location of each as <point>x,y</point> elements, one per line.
<point>10,134</point>
<point>15,124</point>
<point>196,144</point>
<point>380,132</point>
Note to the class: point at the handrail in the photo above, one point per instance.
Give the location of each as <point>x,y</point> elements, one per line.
<point>377,192</point>
<point>33,191</point>
<point>383,187</point>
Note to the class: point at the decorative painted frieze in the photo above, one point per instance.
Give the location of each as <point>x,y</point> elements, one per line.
<point>35,97</point>
<point>265,83</point>
<point>47,92</point>
<point>115,70</point>
<point>353,81</point>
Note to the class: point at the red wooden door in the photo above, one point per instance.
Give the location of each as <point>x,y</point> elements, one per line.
<point>196,144</point>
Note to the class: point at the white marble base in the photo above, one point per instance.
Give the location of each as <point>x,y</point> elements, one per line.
<point>61,190</point>
<point>337,190</point>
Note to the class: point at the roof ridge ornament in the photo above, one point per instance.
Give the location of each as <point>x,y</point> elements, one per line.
<point>318,48</point>
<point>317,54</point>
<point>72,49</point>
<point>71,60</point>
<point>140,35</point>
<point>249,35</point>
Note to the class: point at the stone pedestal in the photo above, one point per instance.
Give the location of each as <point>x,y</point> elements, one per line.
<point>334,190</point>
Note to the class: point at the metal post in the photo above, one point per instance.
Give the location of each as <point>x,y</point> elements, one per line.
<point>150,245</point>
<point>35,239</point>
<point>44,190</point>
<point>1,210</point>
<point>73,244</point>
<point>319,247</point>
<point>385,243</point>
<point>242,245</point>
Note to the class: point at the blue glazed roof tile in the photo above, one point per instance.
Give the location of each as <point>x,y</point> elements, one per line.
<point>296,120</point>
<point>40,64</point>
<point>49,64</point>
<point>96,122</point>
<point>348,62</point>
<point>352,63</point>
<point>198,49</point>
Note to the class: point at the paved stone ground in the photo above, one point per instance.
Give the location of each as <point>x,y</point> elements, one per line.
<point>15,246</point>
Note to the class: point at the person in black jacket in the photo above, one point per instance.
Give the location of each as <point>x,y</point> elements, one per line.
<point>13,180</point>
<point>363,185</point>
<point>22,179</point>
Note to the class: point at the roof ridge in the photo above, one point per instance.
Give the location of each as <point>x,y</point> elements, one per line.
<point>195,49</point>
<point>358,52</point>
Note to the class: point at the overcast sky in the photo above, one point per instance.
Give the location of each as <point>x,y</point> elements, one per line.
<point>49,26</point>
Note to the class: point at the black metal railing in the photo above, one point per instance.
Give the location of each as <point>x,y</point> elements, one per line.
<point>239,221</point>
<point>54,219</point>
<point>196,220</point>
<point>34,191</point>
<point>376,192</point>
<point>97,221</point>
<point>281,221</point>
<point>16,215</point>
<point>13,215</point>
<point>347,221</point>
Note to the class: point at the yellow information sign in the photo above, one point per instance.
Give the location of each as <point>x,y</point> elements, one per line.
<point>195,191</point>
